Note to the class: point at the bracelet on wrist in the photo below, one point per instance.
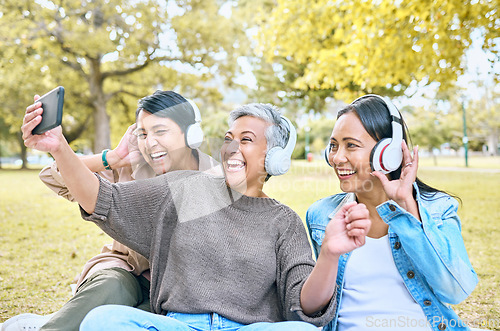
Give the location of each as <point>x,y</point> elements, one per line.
<point>105,160</point>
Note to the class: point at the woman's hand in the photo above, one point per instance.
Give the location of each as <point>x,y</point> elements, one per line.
<point>347,230</point>
<point>401,190</point>
<point>81,182</point>
<point>127,152</point>
<point>49,141</point>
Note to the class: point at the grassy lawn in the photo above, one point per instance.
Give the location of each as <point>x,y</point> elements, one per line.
<point>44,242</point>
<point>43,245</point>
<point>474,162</point>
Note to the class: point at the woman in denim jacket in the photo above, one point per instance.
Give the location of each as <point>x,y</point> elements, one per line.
<point>414,262</point>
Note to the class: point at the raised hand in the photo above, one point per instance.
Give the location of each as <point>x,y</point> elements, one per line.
<point>401,189</point>
<point>49,141</point>
<point>127,152</point>
<point>347,230</point>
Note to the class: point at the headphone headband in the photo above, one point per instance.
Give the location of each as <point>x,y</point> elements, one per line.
<point>194,133</point>
<point>292,135</point>
<point>196,110</point>
<point>392,109</point>
<point>278,159</point>
<point>396,121</point>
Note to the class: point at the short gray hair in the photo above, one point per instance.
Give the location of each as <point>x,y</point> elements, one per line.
<point>276,134</point>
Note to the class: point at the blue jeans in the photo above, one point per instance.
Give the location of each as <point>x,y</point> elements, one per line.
<point>123,318</point>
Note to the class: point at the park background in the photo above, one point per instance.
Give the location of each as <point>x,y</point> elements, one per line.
<point>438,61</point>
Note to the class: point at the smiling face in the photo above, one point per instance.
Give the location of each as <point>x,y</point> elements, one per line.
<point>161,142</point>
<point>350,148</point>
<point>243,155</point>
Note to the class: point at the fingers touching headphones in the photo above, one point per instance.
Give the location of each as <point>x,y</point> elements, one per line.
<point>387,155</point>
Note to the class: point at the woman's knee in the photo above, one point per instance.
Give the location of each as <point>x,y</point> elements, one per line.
<point>107,315</point>
<point>280,326</point>
<point>116,317</point>
<point>302,326</point>
<point>113,277</point>
<point>113,286</point>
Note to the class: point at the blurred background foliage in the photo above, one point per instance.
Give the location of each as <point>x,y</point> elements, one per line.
<point>310,58</point>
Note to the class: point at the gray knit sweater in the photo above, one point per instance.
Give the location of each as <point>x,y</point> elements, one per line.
<point>210,249</point>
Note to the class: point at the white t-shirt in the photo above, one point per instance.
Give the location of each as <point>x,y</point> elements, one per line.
<point>374,295</point>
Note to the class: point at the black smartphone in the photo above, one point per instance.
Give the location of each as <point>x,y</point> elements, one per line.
<point>52,104</point>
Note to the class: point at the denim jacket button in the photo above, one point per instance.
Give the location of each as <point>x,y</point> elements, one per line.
<point>427,302</point>
<point>397,245</point>
<point>392,207</point>
<point>410,274</point>
<point>442,326</point>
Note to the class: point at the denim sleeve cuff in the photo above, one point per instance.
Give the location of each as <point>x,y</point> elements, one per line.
<point>390,210</point>
<point>103,203</point>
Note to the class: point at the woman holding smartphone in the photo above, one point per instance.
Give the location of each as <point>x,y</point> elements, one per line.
<point>154,145</point>
<point>223,255</point>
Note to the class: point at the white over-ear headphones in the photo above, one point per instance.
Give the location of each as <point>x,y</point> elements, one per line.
<point>278,159</point>
<point>194,133</point>
<point>387,155</point>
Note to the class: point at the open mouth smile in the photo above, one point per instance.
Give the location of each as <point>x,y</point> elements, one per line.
<point>345,173</point>
<point>235,165</point>
<point>157,156</point>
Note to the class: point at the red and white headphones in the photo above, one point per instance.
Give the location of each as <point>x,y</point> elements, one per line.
<point>387,155</point>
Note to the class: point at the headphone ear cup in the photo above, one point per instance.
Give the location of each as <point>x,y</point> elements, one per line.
<point>279,159</point>
<point>326,154</point>
<point>194,136</point>
<point>392,157</point>
<point>277,162</point>
<point>376,160</point>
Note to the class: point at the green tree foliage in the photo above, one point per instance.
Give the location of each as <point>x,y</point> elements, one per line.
<point>443,121</point>
<point>348,47</point>
<point>109,53</point>
<point>429,128</point>
<point>483,120</point>
<point>320,129</point>
<point>16,91</point>
<point>277,88</point>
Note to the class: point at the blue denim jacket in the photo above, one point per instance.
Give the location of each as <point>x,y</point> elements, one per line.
<point>430,255</point>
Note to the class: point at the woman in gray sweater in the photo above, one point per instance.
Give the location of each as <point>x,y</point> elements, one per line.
<point>223,255</point>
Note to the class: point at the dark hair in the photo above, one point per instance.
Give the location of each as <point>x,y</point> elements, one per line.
<point>170,105</point>
<point>376,119</point>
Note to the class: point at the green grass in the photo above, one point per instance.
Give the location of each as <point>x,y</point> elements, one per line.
<point>43,245</point>
<point>474,162</point>
<point>44,242</point>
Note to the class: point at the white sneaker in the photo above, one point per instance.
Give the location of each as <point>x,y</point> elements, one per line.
<point>25,322</point>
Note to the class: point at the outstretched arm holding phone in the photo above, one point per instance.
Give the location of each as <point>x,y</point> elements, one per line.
<point>81,182</point>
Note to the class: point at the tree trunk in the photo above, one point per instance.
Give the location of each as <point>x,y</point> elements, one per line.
<point>101,119</point>
<point>24,151</point>
<point>101,127</point>
<point>434,156</point>
<point>493,142</point>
